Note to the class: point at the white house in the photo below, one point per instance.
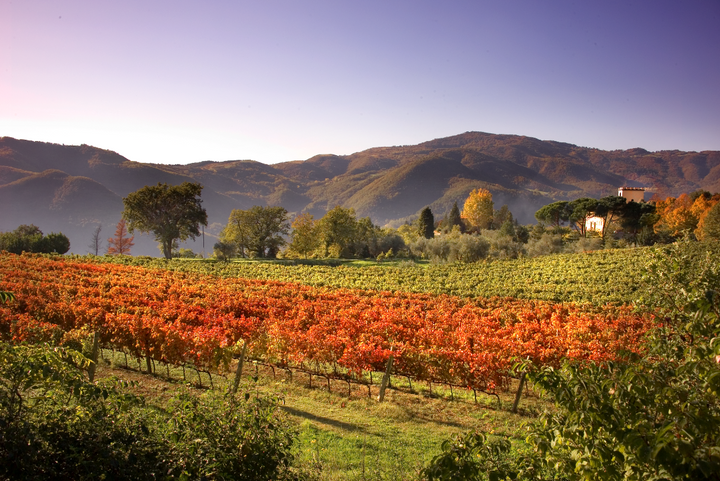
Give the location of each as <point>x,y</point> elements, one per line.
<point>637,194</point>
<point>594,224</point>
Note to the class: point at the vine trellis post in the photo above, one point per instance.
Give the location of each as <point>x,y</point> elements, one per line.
<point>238,372</point>
<point>385,379</point>
<point>94,357</point>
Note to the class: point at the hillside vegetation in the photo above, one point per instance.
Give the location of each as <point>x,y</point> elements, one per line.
<point>388,184</point>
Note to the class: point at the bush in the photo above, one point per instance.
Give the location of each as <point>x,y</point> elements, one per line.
<point>655,416</point>
<point>503,246</point>
<point>546,244</point>
<point>650,417</point>
<point>223,251</point>
<point>28,238</point>
<point>473,457</point>
<point>453,247</point>
<point>56,425</point>
<point>584,244</point>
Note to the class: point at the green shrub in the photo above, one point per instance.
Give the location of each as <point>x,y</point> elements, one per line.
<point>649,417</point>
<point>56,425</point>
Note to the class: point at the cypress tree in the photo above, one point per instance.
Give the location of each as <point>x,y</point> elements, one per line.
<point>454,219</point>
<point>426,224</point>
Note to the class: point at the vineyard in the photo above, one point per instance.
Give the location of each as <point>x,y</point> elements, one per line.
<point>608,276</point>
<point>193,318</point>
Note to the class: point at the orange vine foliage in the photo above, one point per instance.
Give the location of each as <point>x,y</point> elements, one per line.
<point>183,318</point>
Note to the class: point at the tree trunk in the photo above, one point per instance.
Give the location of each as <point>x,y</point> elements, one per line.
<point>167,249</point>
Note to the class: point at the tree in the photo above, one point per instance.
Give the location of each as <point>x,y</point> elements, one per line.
<point>701,207</point>
<point>29,238</point>
<point>710,228</point>
<point>95,241</point>
<point>171,213</point>
<point>337,230</point>
<point>610,208</point>
<point>223,250</point>
<point>58,242</point>
<point>580,210</point>
<point>304,235</point>
<point>638,218</point>
<point>676,215</point>
<point>426,224</point>
<point>554,214</point>
<point>508,229</point>
<point>121,243</point>
<point>454,219</point>
<point>501,216</point>
<point>478,209</point>
<point>258,231</point>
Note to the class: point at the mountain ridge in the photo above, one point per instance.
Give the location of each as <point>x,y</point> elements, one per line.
<point>389,184</point>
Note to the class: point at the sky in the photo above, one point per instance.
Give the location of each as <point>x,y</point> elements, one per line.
<point>186,81</point>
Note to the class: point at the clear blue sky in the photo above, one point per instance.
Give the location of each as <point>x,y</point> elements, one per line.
<point>186,81</point>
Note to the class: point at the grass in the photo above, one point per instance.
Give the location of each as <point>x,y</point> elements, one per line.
<point>356,437</point>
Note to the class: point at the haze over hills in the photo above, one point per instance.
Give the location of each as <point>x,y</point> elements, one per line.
<point>72,189</point>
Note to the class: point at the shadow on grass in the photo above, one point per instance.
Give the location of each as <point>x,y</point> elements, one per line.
<point>323,420</point>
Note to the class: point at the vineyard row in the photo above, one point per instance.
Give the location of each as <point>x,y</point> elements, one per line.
<point>184,318</point>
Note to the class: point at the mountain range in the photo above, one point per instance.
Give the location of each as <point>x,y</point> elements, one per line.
<point>73,189</point>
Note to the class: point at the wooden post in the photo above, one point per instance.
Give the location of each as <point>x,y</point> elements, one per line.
<point>238,372</point>
<point>385,379</point>
<point>93,357</point>
<point>519,392</point>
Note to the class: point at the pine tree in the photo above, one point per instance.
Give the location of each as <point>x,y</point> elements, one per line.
<point>426,224</point>
<point>120,244</point>
<point>454,219</point>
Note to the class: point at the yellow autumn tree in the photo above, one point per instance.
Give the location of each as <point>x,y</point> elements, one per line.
<point>684,213</point>
<point>478,209</point>
<point>676,215</point>
<point>702,207</point>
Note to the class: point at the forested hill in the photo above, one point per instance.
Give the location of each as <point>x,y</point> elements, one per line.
<point>74,188</point>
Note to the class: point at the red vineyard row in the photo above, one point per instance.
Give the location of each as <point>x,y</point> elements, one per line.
<point>181,318</point>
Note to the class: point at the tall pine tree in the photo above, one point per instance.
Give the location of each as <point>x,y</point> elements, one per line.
<point>426,224</point>
<point>454,219</point>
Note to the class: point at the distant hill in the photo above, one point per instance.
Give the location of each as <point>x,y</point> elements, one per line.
<point>73,189</point>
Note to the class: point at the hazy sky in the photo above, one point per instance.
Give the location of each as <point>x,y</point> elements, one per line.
<point>185,81</point>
